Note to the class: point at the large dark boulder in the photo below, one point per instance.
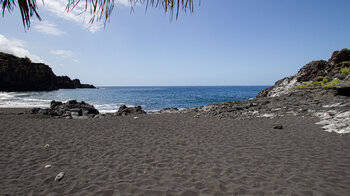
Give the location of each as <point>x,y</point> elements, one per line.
<point>123,110</point>
<point>343,88</point>
<point>20,74</point>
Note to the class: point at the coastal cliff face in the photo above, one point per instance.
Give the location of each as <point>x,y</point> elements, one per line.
<point>20,74</point>
<point>333,73</point>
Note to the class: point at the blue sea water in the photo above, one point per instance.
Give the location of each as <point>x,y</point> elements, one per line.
<point>108,99</point>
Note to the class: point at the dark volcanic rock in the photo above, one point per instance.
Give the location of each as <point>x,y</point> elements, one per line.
<point>313,70</point>
<point>69,109</point>
<point>278,126</point>
<point>77,84</point>
<point>20,74</point>
<point>123,110</point>
<point>343,88</point>
<point>339,56</point>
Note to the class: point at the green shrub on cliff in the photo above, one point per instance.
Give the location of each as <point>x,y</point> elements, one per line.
<point>322,80</point>
<point>344,71</point>
<point>305,84</point>
<point>331,84</point>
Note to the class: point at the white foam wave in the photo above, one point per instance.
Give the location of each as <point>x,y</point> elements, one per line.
<point>17,100</point>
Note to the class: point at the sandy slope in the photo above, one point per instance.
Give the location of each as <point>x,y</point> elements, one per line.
<point>171,154</point>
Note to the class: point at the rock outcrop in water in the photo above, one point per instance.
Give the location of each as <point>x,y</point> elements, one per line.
<point>20,74</point>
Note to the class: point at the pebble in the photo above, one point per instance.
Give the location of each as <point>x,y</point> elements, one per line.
<point>278,126</point>
<point>59,176</point>
<point>136,117</point>
<point>48,166</point>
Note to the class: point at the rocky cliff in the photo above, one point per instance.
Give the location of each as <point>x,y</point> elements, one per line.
<point>20,74</point>
<point>331,74</point>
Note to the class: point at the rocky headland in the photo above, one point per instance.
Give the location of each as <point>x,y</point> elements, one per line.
<point>20,74</point>
<point>320,89</point>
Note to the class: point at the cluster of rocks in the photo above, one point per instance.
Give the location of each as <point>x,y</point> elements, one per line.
<point>70,109</point>
<point>300,102</point>
<point>81,110</point>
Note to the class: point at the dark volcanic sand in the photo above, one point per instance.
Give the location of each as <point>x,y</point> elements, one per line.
<point>171,154</point>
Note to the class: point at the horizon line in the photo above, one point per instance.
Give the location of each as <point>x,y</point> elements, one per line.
<point>177,85</point>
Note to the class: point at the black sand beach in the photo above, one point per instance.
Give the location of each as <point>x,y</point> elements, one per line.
<point>171,154</point>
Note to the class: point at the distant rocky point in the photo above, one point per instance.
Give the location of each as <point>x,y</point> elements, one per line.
<point>20,74</point>
<point>331,74</point>
<point>320,89</point>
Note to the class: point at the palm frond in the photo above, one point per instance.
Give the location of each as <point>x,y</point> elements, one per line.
<point>28,8</point>
<point>99,9</point>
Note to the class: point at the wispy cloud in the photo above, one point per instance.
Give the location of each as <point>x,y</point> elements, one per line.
<point>16,47</point>
<point>48,28</point>
<point>77,15</point>
<point>62,53</point>
<point>124,2</point>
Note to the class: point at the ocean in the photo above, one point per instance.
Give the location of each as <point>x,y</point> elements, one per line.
<point>108,99</point>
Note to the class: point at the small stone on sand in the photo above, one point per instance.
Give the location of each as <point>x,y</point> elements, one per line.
<point>278,126</point>
<point>48,166</point>
<point>59,177</point>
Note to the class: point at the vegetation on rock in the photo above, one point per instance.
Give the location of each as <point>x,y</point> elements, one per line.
<point>332,83</point>
<point>344,71</point>
<point>305,85</point>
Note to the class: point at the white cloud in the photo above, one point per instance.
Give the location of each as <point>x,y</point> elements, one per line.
<point>48,28</point>
<point>77,15</point>
<point>16,47</point>
<point>124,2</point>
<point>62,53</point>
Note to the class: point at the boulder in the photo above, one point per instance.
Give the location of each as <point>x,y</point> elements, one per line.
<point>342,88</point>
<point>123,110</point>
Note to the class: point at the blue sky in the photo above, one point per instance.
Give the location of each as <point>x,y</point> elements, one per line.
<point>225,42</point>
